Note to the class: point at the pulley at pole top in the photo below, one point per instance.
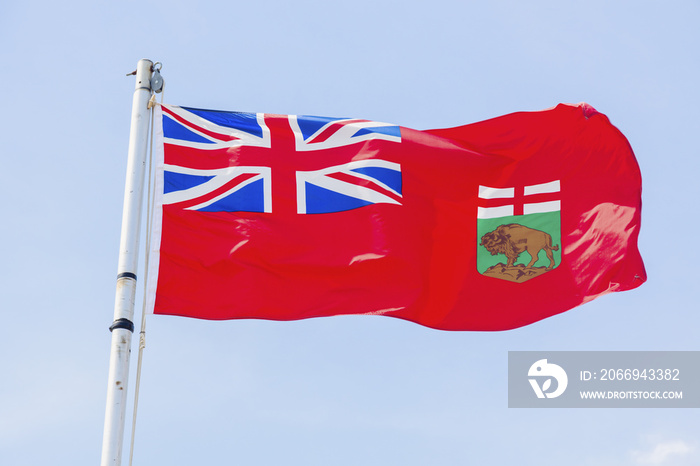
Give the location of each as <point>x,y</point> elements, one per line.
<point>157,82</point>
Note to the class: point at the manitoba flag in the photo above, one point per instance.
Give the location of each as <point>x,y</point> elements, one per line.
<point>488,226</point>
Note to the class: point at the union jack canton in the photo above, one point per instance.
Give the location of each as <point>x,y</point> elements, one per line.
<point>210,183</point>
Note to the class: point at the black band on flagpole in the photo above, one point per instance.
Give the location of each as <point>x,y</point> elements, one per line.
<point>122,323</point>
<point>126,275</point>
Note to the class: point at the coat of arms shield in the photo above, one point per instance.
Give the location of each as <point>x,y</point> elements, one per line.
<point>520,237</point>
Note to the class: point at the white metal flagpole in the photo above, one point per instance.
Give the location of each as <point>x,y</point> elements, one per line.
<point>123,327</point>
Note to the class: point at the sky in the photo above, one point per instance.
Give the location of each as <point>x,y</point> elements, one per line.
<point>341,390</point>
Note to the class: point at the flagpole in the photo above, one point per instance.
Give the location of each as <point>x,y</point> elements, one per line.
<point>123,327</point>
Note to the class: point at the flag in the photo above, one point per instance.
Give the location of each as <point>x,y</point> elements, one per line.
<point>488,226</point>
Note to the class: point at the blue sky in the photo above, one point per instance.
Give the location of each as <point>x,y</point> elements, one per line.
<point>342,390</point>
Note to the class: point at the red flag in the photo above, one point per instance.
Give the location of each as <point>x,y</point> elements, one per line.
<point>488,226</point>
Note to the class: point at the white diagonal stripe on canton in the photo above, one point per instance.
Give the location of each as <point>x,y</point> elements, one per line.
<point>494,212</point>
<point>542,207</point>
<point>543,188</point>
<point>486,192</point>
